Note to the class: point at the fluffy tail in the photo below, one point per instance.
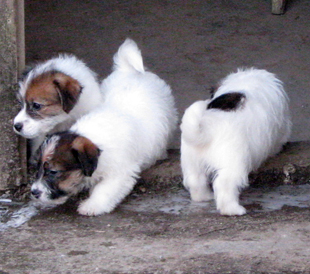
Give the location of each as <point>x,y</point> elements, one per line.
<point>128,57</point>
<point>192,126</point>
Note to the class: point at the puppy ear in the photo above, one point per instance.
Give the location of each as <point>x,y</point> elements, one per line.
<point>86,153</point>
<point>68,89</point>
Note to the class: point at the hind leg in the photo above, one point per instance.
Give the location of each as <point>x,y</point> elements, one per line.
<point>194,180</point>
<point>194,177</point>
<point>198,188</point>
<point>226,192</point>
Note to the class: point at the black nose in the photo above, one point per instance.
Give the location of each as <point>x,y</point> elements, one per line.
<point>36,193</point>
<point>18,126</point>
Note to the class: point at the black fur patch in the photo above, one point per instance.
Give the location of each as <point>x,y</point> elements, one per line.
<point>228,101</point>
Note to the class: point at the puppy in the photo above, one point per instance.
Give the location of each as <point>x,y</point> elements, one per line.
<point>225,138</point>
<point>53,95</point>
<point>107,149</point>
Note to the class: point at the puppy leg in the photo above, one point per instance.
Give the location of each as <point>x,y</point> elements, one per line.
<point>226,192</point>
<point>194,175</point>
<point>198,187</point>
<point>194,180</point>
<point>106,195</point>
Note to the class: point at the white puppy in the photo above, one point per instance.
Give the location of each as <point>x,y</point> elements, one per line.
<point>53,95</point>
<point>225,138</point>
<point>107,149</point>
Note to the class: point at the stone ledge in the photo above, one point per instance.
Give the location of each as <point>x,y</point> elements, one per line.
<point>291,166</point>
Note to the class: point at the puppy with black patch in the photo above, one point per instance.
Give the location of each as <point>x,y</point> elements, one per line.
<point>225,138</point>
<point>53,95</point>
<point>107,149</point>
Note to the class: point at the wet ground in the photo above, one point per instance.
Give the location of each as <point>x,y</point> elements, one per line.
<point>157,229</point>
<point>165,233</point>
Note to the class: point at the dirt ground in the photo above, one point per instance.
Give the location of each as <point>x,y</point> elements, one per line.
<point>157,229</point>
<point>60,241</point>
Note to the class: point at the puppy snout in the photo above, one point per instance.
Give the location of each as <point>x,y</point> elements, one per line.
<point>18,127</point>
<point>36,193</point>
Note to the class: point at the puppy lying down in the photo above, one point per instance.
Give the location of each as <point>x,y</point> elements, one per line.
<point>106,149</point>
<point>225,138</point>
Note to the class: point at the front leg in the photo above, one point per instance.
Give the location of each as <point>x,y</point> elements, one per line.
<point>106,195</point>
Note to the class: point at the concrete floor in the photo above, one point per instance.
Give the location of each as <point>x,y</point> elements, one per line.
<point>192,45</point>
<point>157,229</point>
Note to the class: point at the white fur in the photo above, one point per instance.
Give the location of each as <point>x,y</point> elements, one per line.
<point>132,129</point>
<point>222,147</point>
<point>90,98</point>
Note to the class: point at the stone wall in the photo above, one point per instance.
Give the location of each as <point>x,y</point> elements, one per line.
<point>12,168</point>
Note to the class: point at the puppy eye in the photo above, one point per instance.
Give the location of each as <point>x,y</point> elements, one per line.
<point>53,172</point>
<point>36,106</point>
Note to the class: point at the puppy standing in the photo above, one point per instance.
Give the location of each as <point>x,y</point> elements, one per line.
<point>107,149</point>
<point>225,138</point>
<point>53,96</point>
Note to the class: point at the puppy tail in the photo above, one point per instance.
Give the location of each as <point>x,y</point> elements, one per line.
<point>193,124</point>
<point>128,57</point>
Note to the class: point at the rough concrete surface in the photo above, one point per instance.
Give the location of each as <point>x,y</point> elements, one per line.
<point>157,229</point>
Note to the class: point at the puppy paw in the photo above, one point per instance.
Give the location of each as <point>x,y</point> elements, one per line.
<point>201,196</point>
<point>91,208</point>
<point>232,209</point>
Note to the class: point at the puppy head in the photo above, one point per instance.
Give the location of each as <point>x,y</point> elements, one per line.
<point>66,158</point>
<point>46,99</point>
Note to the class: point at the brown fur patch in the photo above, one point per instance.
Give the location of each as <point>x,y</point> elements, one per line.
<point>68,89</point>
<point>84,145</point>
<point>66,159</point>
<point>57,156</point>
<point>70,182</point>
<point>54,91</point>
<point>87,153</point>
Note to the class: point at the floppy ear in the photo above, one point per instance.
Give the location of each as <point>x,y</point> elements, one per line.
<point>86,153</point>
<point>68,89</point>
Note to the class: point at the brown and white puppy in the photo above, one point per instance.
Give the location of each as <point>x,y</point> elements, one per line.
<point>66,159</point>
<point>53,95</point>
<point>107,149</point>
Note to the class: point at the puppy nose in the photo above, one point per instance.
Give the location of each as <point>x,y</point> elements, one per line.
<point>18,126</point>
<point>36,193</point>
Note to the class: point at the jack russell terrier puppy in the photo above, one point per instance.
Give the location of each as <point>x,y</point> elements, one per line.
<point>106,149</point>
<point>53,95</point>
<point>225,138</point>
